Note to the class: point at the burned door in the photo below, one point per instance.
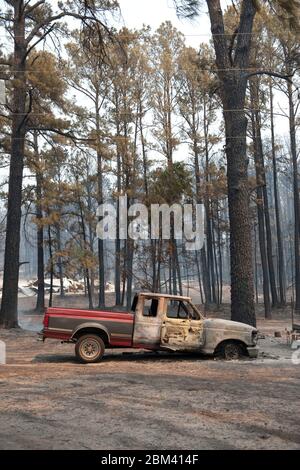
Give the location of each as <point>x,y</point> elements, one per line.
<point>182,327</point>
<point>148,319</point>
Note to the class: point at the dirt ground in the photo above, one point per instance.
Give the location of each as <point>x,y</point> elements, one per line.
<point>142,400</point>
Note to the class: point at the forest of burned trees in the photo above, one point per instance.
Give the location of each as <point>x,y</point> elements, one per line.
<point>92,113</point>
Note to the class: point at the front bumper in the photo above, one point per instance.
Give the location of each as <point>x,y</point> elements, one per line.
<point>253,351</point>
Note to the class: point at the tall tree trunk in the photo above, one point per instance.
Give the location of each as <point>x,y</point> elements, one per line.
<point>101,267</point>
<point>220,299</point>
<point>209,228</point>
<point>40,301</point>
<point>263,253</point>
<point>203,257</point>
<point>269,246</point>
<point>159,261</point>
<point>118,300</point>
<point>129,269</point>
<point>255,265</point>
<point>91,245</point>
<point>59,263</point>
<point>292,125</point>
<point>205,275</point>
<point>199,277</point>
<point>153,243</point>
<point>9,304</point>
<point>170,273</point>
<point>51,266</point>
<point>85,245</point>
<point>215,266</point>
<point>233,77</point>
<point>242,292</point>
<point>242,295</point>
<point>123,276</point>
<point>173,248</point>
<point>281,261</point>
<point>153,247</point>
<point>101,274</point>
<point>260,182</point>
<point>131,186</point>
<point>210,266</point>
<point>178,269</point>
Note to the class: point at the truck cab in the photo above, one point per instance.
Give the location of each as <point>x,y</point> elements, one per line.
<point>167,322</point>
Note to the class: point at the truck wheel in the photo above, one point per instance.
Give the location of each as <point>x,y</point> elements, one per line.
<point>230,350</point>
<point>89,348</point>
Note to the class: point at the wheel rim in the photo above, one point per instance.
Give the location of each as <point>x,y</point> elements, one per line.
<point>89,348</point>
<point>232,351</point>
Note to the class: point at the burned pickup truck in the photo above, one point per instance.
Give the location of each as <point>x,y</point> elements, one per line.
<point>157,322</point>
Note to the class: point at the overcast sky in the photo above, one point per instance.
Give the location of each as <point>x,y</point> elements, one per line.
<point>135,13</point>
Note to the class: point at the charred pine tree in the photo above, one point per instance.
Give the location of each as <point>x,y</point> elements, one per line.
<point>30,24</point>
<point>9,304</point>
<point>232,65</point>
<point>281,259</point>
<point>40,301</point>
<point>293,146</point>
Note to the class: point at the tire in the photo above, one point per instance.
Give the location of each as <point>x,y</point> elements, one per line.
<point>89,348</point>
<point>230,351</point>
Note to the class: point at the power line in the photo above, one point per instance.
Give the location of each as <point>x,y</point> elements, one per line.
<point>232,69</point>
<point>86,142</point>
<point>124,36</point>
<point>124,113</point>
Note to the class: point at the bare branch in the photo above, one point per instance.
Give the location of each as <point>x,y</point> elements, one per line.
<point>42,24</point>
<point>29,10</point>
<point>53,19</point>
<point>272,74</point>
<point>44,35</point>
<point>68,135</point>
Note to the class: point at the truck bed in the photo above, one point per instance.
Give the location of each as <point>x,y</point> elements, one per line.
<point>62,323</point>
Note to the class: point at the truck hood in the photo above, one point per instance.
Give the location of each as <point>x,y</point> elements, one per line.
<point>227,324</point>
